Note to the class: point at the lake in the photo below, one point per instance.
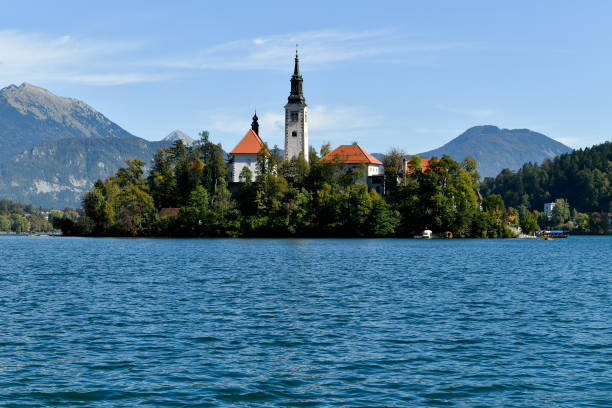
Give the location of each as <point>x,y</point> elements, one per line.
<point>305,322</point>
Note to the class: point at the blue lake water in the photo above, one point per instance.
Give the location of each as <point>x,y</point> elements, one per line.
<point>389,322</point>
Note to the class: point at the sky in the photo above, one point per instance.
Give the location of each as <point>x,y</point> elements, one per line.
<point>386,74</point>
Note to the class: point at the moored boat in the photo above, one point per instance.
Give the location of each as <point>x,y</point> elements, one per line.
<point>550,235</point>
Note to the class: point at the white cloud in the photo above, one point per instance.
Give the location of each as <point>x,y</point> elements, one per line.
<point>319,48</point>
<point>36,57</point>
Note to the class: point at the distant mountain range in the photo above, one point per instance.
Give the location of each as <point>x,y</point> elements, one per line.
<point>30,115</point>
<point>52,149</point>
<point>495,149</point>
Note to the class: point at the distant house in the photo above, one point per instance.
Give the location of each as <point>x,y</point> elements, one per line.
<point>245,153</point>
<point>354,157</point>
<point>548,209</point>
<point>424,165</point>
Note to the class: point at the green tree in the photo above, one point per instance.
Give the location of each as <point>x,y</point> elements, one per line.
<point>529,223</point>
<point>5,223</point>
<point>561,212</point>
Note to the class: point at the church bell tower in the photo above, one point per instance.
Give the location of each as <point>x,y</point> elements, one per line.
<point>296,117</point>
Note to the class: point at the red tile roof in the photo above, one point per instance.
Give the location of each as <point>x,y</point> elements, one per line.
<point>196,164</point>
<point>351,154</point>
<point>250,143</point>
<point>424,165</point>
<point>169,212</point>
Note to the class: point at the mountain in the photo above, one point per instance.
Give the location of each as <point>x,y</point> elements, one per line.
<point>56,174</point>
<point>495,149</point>
<point>52,149</point>
<point>179,135</point>
<point>30,115</point>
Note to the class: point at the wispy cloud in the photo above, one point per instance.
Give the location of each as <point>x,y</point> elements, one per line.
<point>36,57</point>
<point>39,57</point>
<point>321,48</point>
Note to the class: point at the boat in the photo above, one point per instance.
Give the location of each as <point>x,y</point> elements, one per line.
<point>550,235</point>
<point>426,234</point>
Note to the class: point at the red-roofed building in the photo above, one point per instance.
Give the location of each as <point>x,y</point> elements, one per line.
<point>169,212</point>
<point>355,157</point>
<point>424,165</point>
<point>245,153</point>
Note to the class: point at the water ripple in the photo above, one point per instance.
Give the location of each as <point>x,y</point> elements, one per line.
<point>305,323</point>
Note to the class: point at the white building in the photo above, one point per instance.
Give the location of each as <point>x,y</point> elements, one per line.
<point>548,208</point>
<point>245,153</point>
<point>355,158</point>
<point>296,118</point>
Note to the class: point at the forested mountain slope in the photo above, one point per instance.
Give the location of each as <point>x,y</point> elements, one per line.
<point>583,177</point>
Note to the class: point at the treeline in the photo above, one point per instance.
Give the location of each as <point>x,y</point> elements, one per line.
<point>583,178</point>
<point>24,218</point>
<point>186,194</point>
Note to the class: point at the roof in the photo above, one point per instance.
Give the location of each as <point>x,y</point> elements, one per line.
<point>351,154</point>
<point>196,164</point>
<point>250,143</point>
<point>424,164</point>
<point>169,212</point>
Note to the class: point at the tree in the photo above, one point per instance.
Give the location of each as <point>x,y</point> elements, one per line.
<point>162,179</point>
<point>394,171</point>
<point>383,219</point>
<point>494,206</point>
<point>20,224</point>
<point>246,175</point>
<point>5,223</point>
<point>561,212</point>
<point>529,223</point>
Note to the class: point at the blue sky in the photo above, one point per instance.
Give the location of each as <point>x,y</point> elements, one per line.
<point>404,74</point>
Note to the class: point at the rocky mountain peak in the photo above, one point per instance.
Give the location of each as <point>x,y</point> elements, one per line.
<point>179,135</point>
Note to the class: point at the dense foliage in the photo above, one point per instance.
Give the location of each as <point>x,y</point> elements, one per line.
<point>24,218</point>
<point>186,194</point>
<point>583,178</point>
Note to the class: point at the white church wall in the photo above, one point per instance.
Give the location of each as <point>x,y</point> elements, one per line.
<point>242,160</point>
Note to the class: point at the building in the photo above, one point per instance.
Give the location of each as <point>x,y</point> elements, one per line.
<point>424,165</point>
<point>244,155</point>
<point>355,158</point>
<point>548,209</point>
<point>296,117</point>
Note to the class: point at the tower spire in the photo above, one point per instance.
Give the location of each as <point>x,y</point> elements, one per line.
<point>296,95</point>
<point>255,123</point>
<point>296,69</point>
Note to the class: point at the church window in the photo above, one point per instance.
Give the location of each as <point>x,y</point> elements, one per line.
<point>294,116</point>
<point>294,133</point>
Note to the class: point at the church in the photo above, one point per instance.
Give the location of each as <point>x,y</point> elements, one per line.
<point>243,157</point>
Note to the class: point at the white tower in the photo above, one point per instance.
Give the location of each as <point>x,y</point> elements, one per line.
<point>296,117</point>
